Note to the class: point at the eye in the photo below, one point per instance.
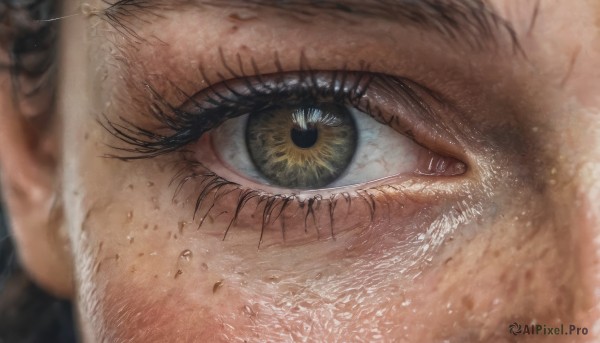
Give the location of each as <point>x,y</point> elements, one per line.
<point>312,142</point>
<point>314,146</point>
<point>296,144</point>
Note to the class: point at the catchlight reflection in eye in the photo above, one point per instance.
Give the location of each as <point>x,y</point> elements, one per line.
<point>314,146</point>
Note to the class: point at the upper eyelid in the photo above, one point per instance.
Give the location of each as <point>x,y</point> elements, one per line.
<point>188,124</point>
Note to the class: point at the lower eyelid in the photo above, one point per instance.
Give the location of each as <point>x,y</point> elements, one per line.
<point>231,208</point>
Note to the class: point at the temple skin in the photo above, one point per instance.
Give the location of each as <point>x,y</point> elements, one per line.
<point>516,239</point>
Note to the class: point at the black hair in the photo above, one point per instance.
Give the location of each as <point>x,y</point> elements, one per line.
<point>27,313</point>
<point>27,52</point>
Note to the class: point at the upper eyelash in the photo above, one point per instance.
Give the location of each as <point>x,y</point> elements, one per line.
<point>221,102</point>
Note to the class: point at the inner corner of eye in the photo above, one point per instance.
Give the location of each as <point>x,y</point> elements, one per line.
<point>320,145</point>
<point>434,164</point>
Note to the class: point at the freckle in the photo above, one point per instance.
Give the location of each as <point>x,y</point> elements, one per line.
<point>273,278</point>
<point>141,254</point>
<point>243,16</point>
<point>130,186</point>
<point>181,227</point>
<point>204,266</point>
<point>467,301</point>
<point>156,276</point>
<point>186,255</point>
<point>175,236</point>
<point>217,285</point>
<point>149,183</point>
<point>145,226</point>
<point>178,273</point>
<point>155,228</point>
<point>86,136</point>
<point>502,277</point>
<point>117,257</point>
<point>528,275</point>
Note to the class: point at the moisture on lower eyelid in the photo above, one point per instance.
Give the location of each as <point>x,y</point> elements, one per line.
<point>302,146</point>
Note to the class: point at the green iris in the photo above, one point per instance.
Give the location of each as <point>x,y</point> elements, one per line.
<point>302,146</point>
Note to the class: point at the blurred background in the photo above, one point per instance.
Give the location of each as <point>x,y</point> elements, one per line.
<point>27,314</point>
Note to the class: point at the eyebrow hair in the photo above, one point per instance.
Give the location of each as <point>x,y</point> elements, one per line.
<point>473,22</point>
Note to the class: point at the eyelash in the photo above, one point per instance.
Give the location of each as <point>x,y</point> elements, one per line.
<point>221,101</point>
<point>226,102</point>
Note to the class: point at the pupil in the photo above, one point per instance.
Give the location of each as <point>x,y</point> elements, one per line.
<point>304,138</point>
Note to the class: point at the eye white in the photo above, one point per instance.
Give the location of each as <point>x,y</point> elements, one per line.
<point>381,151</point>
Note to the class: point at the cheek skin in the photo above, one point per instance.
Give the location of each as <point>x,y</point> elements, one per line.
<point>145,274</point>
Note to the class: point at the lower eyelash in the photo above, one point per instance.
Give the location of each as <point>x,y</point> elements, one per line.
<point>212,188</point>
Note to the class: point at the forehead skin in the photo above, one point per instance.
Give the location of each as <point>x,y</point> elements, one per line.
<point>526,252</point>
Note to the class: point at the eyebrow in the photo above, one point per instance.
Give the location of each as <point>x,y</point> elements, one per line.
<point>473,22</point>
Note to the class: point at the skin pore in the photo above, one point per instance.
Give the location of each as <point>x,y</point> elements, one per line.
<point>414,258</point>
